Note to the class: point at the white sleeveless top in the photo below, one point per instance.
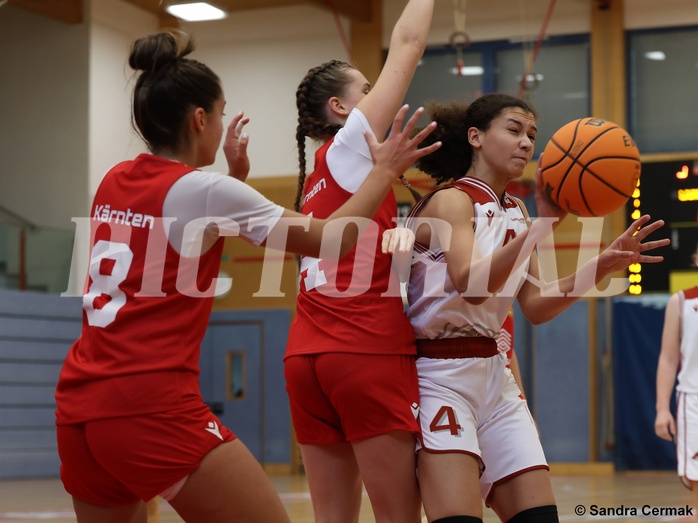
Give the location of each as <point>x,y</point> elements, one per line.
<point>435,308</point>
<point>688,309</point>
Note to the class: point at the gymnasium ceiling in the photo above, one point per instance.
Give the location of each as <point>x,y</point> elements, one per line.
<point>71,10</point>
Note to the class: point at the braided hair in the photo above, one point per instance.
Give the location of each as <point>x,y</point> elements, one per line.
<point>319,85</point>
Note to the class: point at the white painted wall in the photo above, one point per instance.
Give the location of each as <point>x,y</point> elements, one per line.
<point>43,116</point>
<point>261,58</point>
<point>114,25</point>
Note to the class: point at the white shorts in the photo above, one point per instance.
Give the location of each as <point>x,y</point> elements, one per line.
<point>687,436</point>
<point>473,405</point>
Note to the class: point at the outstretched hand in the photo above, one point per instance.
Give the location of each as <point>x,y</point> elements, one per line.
<point>630,246</point>
<point>400,150</point>
<point>235,147</point>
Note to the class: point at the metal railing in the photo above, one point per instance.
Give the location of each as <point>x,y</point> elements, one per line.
<point>33,257</point>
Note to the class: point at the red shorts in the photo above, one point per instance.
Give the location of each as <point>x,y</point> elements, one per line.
<point>118,461</point>
<point>340,397</point>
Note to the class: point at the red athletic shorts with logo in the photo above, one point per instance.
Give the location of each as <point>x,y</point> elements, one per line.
<point>118,461</point>
<point>340,397</point>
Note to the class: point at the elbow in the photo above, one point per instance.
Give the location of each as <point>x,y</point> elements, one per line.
<point>537,318</point>
<point>536,321</point>
<point>417,42</point>
<point>474,294</point>
<point>474,300</point>
<point>411,41</point>
<point>461,286</point>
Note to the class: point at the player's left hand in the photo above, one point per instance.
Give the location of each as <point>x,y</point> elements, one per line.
<point>399,239</point>
<point>630,246</point>
<point>235,147</point>
<point>399,242</point>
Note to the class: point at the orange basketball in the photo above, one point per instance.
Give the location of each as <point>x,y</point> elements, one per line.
<point>590,167</point>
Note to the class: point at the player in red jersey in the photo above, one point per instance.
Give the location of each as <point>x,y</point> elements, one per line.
<point>349,363</point>
<point>131,422</point>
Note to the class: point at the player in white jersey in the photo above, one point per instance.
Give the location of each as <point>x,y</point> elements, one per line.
<point>680,351</point>
<point>477,431</point>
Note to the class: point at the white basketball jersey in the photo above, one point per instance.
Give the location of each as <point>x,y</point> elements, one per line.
<point>688,307</point>
<point>436,309</point>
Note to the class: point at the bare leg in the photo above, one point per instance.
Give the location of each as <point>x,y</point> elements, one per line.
<point>694,491</point>
<point>229,485</point>
<point>88,513</point>
<point>334,482</point>
<point>153,507</point>
<point>388,466</point>
<point>450,485</point>
<point>528,490</point>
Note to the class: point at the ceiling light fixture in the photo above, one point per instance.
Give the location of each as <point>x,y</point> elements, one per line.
<point>468,70</point>
<point>655,55</point>
<point>195,12</point>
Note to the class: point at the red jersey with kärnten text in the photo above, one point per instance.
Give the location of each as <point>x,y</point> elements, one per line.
<point>145,308</point>
<point>341,307</point>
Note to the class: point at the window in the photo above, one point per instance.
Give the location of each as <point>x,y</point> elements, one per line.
<point>559,91</point>
<point>438,78</point>
<point>663,80</point>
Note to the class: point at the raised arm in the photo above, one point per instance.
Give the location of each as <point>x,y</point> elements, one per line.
<point>407,44</point>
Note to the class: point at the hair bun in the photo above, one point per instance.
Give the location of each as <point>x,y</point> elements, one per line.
<point>156,50</point>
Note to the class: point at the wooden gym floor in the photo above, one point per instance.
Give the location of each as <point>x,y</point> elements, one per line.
<point>44,500</point>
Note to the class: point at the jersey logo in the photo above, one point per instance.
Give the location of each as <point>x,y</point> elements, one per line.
<point>213,429</point>
<point>504,341</point>
<point>415,410</point>
<point>490,215</point>
<point>319,186</point>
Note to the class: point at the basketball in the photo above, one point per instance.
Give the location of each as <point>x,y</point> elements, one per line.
<point>590,167</point>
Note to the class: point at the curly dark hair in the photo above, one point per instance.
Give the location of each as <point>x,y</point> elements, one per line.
<point>455,156</point>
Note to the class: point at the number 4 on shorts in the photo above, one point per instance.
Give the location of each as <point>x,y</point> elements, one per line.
<point>446,414</point>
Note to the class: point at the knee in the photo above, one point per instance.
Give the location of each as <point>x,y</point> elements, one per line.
<point>545,514</point>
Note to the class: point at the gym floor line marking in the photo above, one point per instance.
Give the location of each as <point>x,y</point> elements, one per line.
<point>18,516</point>
<point>66,513</point>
